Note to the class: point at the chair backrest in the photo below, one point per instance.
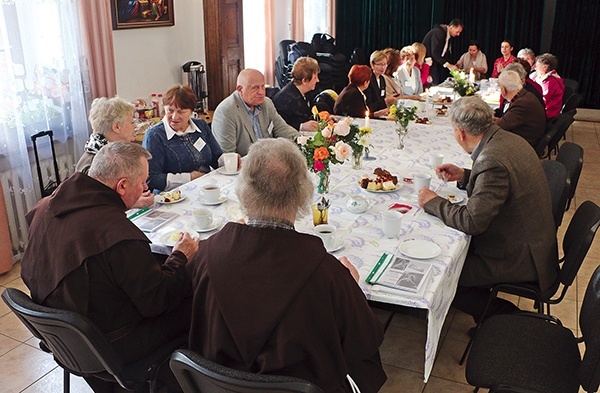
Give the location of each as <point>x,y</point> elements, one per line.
<point>589,371</point>
<point>325,100</point>
<point>572,103</point>
<point>198,374</point>
<point>557,177</point>
<point>577,240</point>
<point>542,144</point>
<point>76,343</point>
<point>562,123</point>
<point>359,57</point>
<point>571,156</point>
<point>572,84</point>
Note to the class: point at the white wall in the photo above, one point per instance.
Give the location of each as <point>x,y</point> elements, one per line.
<point>149,60</point>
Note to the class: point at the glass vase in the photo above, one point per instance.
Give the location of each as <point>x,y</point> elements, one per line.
<point>323,185</point>
<point>401,131</point>
<point>357,159</point>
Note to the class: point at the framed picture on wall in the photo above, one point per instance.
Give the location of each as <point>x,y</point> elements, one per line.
<point>129,14</point>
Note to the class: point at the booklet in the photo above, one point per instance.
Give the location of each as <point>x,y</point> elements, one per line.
<point>154,219</point>
<point>399,273</point>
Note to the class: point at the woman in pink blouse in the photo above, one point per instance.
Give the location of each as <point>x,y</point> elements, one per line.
<point>507,57</point>
<point>553,87</point>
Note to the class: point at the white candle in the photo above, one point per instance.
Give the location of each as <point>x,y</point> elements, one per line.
<point>367,124</point>
<point>472,76</point>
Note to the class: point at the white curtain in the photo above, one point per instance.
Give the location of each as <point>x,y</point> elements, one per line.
<point>44,85</point>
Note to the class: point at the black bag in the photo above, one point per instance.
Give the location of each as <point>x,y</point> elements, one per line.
<point>323,43</point>
<point>300,49</point>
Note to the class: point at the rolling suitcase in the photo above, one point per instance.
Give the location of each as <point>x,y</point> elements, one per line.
<point>49,188</point>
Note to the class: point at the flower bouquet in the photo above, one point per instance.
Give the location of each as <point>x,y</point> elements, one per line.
<point>461,84</point>
<point>402,115</point>
<point>333,143</point>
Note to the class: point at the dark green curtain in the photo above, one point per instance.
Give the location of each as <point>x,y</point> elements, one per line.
<point>576,43</point>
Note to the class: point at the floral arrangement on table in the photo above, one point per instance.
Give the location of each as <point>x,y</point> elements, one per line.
<point>333,143</point>
<point>461,84</point>
<point>402,115</point>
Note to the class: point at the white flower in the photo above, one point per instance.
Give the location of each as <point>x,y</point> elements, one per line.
<point>326,132</point>
<point>342,151</point>
<point>302,139</point>
<point>342,128</point>
<point>364,140</point>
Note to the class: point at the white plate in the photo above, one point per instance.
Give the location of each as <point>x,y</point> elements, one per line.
<point>222,199</point>
<point>339,244</point>
<point>222,171</point>
<point>158,199</point>
<point>420,249</point>
<point>212,227</point>
<point>458,198</point>
<point>166,239</point>
<point>381,191</point>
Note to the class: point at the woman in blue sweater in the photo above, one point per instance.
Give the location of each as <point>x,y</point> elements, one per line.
<point>182,148</point>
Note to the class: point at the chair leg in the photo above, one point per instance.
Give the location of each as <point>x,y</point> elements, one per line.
<point>493,295</point>
<point>387,323</point>
<point>66,381</point>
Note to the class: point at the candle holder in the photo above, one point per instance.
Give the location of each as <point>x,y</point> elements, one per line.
<point>368,157</point>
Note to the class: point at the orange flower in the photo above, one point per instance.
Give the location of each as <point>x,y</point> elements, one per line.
<point>321,153</point>
<point>323,115</point>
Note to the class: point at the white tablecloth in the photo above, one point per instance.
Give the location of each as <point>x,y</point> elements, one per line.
<point>362,235</point>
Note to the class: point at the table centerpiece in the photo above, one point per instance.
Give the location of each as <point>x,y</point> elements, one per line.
<point>402,115</point>
<point>461,84</point>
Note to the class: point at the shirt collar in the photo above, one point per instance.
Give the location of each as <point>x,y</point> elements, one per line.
<point>191,128</point>
<point>271,222</point>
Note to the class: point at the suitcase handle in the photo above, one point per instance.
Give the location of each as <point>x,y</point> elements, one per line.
<point>41,134</point>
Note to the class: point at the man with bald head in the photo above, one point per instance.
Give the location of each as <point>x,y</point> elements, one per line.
<point>247,115</point>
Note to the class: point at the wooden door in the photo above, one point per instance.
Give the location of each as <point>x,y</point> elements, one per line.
<point>224,42</point>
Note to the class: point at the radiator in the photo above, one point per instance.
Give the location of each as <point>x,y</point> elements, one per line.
<point>18,203</point>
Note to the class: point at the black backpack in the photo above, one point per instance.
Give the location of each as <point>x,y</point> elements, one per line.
<point>323,43</point>
<point>300,49</point>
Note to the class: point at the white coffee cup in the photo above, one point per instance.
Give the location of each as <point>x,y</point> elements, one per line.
<point>230,162</point>
<point>436,159</point>
<point>421,180</point>
<point>212,193</point>
<point>203,218</point>
<point>391,223</point>
<point>327,234</point>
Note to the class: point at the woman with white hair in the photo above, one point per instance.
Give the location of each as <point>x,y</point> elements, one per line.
<point>272,300</point>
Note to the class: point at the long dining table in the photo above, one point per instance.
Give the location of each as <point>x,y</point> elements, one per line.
<point>360,236</point>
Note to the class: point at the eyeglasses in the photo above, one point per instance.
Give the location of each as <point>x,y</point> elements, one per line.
<point>380,64</point>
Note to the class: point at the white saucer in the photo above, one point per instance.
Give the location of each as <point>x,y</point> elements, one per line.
<point>212,227</point>
<point>339,244</point>
<point>222,199</point>
<point>166,239</point>
<point>458,198</point>
<point>158,199</point>
<point>420,249</point>
<point>222,171</point>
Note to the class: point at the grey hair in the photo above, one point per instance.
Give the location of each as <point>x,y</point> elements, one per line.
<point>526,51</point>
<point>117,160</point>
<point>274,180</point>
<point>510,80</point>
<point>548,59</point>
<point>518,68</point>
<point>106,111</point>
<point>472,115</point>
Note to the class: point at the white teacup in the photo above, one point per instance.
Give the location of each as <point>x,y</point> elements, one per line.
<point>212,193</point>
<point>203,218</point>
<point>391,223</point>
<point>436,159</point>
<point>421,180</point>
<point>327,234</point>
<point>230,161</point>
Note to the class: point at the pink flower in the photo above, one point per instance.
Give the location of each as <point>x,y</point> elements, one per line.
<point>342,128</point>
<point>318,166</point>
<point>302,139</point>
<point>342,151</point>
<point>326,132</point>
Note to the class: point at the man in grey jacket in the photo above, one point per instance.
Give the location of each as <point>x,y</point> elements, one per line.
<point>247,115</point>
<point>508,214</point>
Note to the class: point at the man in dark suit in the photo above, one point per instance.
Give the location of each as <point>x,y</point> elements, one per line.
<point>525,115</point>
<point>508,214</point>
<point>438,42</point>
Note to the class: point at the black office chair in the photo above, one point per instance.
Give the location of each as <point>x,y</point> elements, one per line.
<point>80,348</point>
<point>576,243</point>
<point>562,123</point>
<point>325,100</point>
<point>572,103</point>
<point>198,374</point>
<point>542,145</point>
<point>571,156</point>
<point>531,352</point>
<point>572,84</point>
<point>558,181</point>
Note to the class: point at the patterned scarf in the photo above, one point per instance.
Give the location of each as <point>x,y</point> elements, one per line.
<point>95,143</point>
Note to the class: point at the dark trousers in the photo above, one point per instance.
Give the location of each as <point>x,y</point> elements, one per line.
<point>472,300</point>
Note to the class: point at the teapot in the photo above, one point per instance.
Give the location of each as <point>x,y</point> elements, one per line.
<point>357,204</point>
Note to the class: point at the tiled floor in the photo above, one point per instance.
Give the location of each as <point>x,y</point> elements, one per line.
<point>25,368</point>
